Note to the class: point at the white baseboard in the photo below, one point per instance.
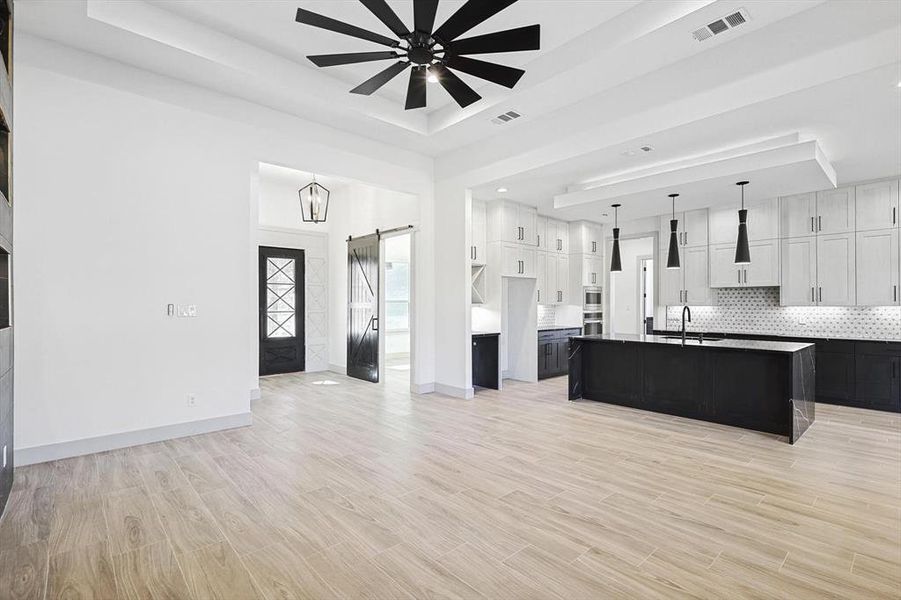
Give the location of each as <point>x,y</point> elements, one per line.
<point>423,388</point>
<point>340,369</point>
<point>456,392</point>
<point>39,454</point>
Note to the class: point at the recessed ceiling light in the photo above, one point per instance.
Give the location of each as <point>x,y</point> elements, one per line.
<point>899,84</point>
<point>501,190</point>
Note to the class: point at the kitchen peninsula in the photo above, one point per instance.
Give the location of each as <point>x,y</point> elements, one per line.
<point>762,385</point>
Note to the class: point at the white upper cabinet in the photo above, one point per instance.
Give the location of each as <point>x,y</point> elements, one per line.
<point>763,222</point>
<point>585,238</point>
<point>696,287</point>
<point>691,229</point>
<point>558,236</point>
<point>518,260</point>
<point>541,232</point>
<point>798,215</point>
<point>592,270</point>
<point>765,265</point>
<point>541,276</point>
<point>799,271</point>
<point>562,290</point>
<point>694,228</point>
<point>877,267</point>
<point>724,273</point>
<point>877,205</point>
<point>836,278</point>
<point>835,211</point>
<point>762,272</point>
<point>479,250</point>
<point>671,290</point>
<point>512,222</point>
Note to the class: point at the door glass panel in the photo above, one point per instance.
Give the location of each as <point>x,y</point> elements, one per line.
<point>280,297</point>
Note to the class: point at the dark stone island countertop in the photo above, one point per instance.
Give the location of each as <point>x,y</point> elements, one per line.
<point>676,340</point>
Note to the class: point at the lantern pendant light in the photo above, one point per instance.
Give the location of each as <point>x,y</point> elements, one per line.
<point>313,202</point>
<point>672,257</point>
<point>742,251</point>
<point>616,262</point>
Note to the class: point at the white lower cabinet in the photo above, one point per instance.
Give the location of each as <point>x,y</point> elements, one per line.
<point>877,268</point>
<point>836,279</point>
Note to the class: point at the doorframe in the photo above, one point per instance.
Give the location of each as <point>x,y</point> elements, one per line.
<point>642,291</point>
<point>413,232</point>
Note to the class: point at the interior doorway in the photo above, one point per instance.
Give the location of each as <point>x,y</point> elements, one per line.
<point>281,285</point>
<point>397,267</point>
<point>646,324</point>
<point>628,303</point>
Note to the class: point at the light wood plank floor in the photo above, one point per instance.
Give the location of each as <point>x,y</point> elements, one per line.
<point>357,490</point>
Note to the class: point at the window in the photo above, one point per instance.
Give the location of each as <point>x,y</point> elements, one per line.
<point>397,296</point>
<point>280,298</point>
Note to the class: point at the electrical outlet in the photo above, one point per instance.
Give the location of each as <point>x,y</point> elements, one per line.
<point>192,399</point>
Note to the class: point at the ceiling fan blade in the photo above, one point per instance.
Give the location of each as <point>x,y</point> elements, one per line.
<point>375,82</point>
<point>468,16</point>
<point>424,15</point>
<point>416,89</point>
<point>456,87</point>
<point>331,60</point>
<point>310,18</point>
<point>493,72</point>
<point>511,40</point>
<point>387,16</point>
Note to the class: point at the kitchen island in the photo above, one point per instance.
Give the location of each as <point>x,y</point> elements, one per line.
<point>761,385</point>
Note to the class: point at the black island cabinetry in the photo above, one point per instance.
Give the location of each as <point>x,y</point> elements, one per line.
<point>553,351</point>
<point>760,385</point>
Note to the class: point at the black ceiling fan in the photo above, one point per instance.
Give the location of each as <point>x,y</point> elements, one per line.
<point>431,52</point>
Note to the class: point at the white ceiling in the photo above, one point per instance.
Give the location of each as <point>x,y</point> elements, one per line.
<point>612,75</point>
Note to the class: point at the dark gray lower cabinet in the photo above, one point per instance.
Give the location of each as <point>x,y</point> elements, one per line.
<point>553,351</point>
<point>877,371</point>
<point>485,360</point>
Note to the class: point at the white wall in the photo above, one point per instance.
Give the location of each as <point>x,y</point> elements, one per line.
<point>626,285</point>
<point>134,191</point>
<point>397,251</point>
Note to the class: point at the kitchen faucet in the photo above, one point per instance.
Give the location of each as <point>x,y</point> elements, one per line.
<point>685,309</point>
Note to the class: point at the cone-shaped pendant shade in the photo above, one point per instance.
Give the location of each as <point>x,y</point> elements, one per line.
<point>616,261</point>
<point>672,257</point>
<point>742,250</point>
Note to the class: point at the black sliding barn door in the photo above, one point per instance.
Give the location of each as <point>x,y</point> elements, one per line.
<point>281,310</point>
<point>363,308</point>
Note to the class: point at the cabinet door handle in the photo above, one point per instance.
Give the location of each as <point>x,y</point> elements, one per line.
<point>686,238</point>
<point>594,246</point>
<point>820,223</point>
<point>539,296</point>
<point>686,296</point>
<point>739,277</point>
<point>812,226</point>
<point>820,294</point>
<point>813,298</point>
<point>894,215</point>
<point>538,235</point>
<point>475,253</point>
<point>895,293</point>
<point>746,275</point>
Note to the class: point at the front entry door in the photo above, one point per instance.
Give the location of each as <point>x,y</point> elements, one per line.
<point>281,310</point>
<point>363,308</point>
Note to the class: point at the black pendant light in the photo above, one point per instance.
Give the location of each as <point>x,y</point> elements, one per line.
<point>672,257</point>
<point>616,262</point>
<point>742,251</point>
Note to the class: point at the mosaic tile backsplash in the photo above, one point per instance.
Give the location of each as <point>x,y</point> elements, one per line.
<point>547,315</point>
<point>757,310</point>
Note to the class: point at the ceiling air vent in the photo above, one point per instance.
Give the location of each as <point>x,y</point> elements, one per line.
<point>506,117</point>
<point>720,25</point>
